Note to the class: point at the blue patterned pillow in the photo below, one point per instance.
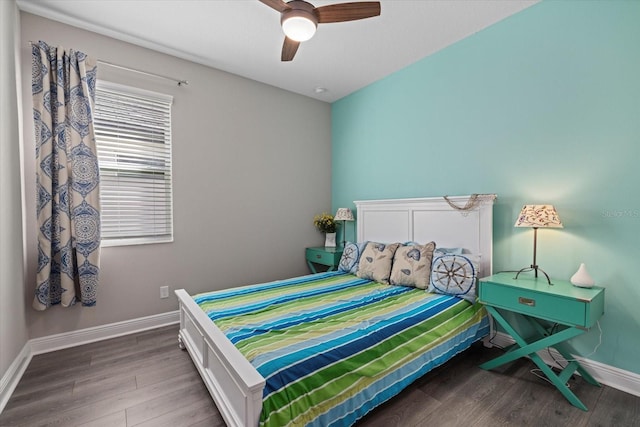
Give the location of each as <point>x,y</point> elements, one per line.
<point>375,261</point>
<point>454,275</point>
<point>412,265</point>
<point>351,257</point>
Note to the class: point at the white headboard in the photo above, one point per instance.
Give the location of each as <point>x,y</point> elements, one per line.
<point>432,219</point>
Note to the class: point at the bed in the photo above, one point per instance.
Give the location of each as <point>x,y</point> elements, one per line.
<point>273,389</point>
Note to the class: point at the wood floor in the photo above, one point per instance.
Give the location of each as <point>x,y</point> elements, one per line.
<point>145,380</point>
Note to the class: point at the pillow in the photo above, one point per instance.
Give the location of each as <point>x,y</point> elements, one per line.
<point>454,275</point>
<point>350,257</point>
<point>412,265</point>
<point>442,251</point>
<point>375,261</point>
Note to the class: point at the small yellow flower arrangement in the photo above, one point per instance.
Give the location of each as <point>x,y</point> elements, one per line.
<point>325,223</point>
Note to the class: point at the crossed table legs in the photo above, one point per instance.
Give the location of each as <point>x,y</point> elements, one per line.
<point>547,337</point>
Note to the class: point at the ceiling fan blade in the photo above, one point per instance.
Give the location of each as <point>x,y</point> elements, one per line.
<point>342,12</point>
<point>289,49</point>
<point>279,5</point>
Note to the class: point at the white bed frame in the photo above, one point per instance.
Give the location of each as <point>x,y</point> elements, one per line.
<point>234,384</point>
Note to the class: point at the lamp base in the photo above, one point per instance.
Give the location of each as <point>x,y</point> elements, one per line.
<point>535,268</point>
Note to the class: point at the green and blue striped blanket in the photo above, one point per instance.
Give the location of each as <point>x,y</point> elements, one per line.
<point>332,346</point>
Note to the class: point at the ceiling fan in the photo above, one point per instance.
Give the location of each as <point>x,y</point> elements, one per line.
<point>299,19</point>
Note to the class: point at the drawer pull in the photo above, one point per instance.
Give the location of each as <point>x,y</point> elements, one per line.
<point>527,301</point>
<point>318,256</point>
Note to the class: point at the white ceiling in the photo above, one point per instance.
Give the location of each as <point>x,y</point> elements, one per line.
<point>244,37</point>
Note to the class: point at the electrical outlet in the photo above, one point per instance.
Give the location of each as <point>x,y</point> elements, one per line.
<point>164,292</point>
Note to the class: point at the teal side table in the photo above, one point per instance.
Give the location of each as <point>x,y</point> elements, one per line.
<point>324,256</point>
<point>571,311</point>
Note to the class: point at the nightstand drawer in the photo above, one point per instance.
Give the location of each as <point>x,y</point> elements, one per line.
<point>322,256</point>
<point>555,308</point>
<point>560,302</point>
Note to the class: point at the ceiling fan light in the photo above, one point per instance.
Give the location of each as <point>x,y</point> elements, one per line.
<point>298,28</point>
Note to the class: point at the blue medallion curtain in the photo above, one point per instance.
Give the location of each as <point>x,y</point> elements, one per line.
<point>67,177</point>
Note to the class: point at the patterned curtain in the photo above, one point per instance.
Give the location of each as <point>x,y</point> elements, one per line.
<point>68,205</point>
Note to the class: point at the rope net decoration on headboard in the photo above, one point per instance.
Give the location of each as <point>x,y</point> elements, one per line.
<point>472,201</point>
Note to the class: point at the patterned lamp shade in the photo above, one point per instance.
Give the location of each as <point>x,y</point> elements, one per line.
<point>538,216</point>
<point>344,214</point>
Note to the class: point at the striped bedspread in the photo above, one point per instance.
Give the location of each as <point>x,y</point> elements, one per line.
<point>332,346</point>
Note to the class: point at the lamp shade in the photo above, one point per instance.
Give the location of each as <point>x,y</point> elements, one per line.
<point>538,216</point>
<point>344,214</point>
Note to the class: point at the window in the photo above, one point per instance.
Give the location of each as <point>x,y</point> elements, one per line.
<point>133,136</point>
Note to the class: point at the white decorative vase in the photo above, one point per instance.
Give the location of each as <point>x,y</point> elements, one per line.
<point>581,278</point>
<point>330,240</point>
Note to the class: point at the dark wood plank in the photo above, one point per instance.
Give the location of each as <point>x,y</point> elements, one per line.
<point>622,409</point>
<point>530,401</point>
<point>407,409</point>
<point>463,393</point>
<point>187,415</point>
<point>152,409</point>
<point>83,409</point>
<point>157,372</point>
<point>113,367</point>
<point>25,396</point>
<point>105,385</point>
<point>117,419</point>
<point>214,421</point>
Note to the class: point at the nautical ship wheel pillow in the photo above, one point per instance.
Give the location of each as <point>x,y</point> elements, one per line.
<point>454,275</point>
<point>350,257</point>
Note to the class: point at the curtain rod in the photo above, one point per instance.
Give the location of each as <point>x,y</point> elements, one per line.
<point>180,82</point>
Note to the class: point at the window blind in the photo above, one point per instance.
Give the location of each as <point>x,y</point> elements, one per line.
<point>133,136</point>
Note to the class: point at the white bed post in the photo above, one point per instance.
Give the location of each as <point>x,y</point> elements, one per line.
<point>232,381</point>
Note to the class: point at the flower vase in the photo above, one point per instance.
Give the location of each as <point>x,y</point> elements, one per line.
<point>330,240</point>
<point>582,278</point>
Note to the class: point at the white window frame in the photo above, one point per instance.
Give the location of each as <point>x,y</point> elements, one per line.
<point>136,194</point>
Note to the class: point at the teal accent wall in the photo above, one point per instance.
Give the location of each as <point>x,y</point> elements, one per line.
<point>542,107</point>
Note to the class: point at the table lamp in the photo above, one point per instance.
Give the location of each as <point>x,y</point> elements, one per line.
<point>537,216</point>
<point>344,215</point>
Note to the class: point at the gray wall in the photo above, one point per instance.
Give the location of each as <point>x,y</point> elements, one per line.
<point>252,166</point>
<point>13,327</point>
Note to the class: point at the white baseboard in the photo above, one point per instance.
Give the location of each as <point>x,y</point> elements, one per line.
<point>10,379</point>
<point>50,343</point>
<point>622,380</point>
<point>103,332</point>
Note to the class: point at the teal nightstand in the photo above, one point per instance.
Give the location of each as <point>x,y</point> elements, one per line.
<point>324,256</point>
<point>570,310</point>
